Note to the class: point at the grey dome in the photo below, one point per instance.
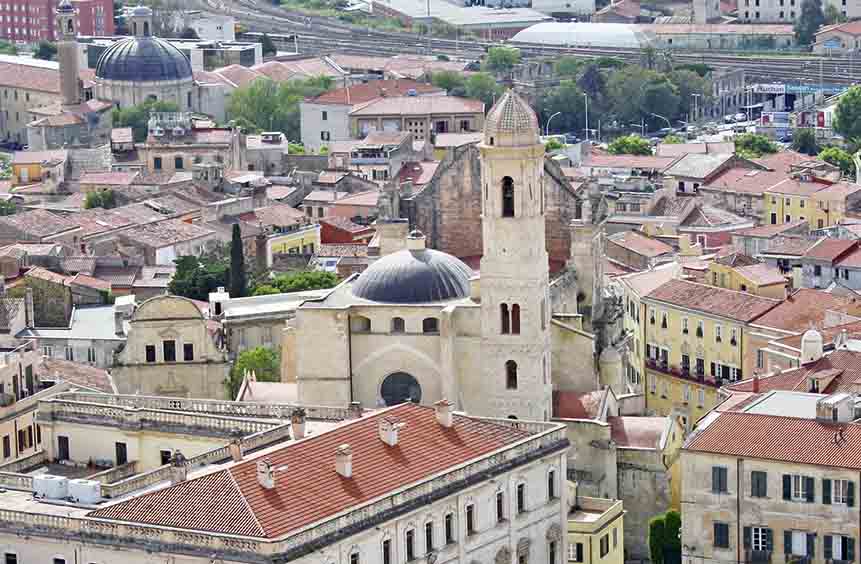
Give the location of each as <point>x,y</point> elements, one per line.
<point>414,277</point>
<point>143,59</point>
<point>511,121</point>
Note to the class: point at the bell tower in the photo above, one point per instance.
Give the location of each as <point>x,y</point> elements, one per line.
<point>515,308</point>
<point>67,53</point>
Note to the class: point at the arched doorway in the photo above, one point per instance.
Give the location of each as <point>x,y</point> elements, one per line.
<point>400,387</point>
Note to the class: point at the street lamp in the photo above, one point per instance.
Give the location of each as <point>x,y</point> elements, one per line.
<point>547,126</point>
<point>695,96</point>
<point>586,99</point>
<point>669,125</point>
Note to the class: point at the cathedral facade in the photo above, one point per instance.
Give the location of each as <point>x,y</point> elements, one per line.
<point>420,325</point>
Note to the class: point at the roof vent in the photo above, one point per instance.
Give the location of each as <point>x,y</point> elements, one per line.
<point>389,428</point>
<point>298,421</point>
<point>344,461</point>
<point>444,415</point>
<point>266,473</point>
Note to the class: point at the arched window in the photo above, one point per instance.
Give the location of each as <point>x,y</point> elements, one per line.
<point>430,325</point>
<point>146,29</point>
<point>71,27</point>
<point>510,375</point>
<point>515,319</point>
<point>134,28</point>
<point>507,197</point>
<point>398,325</point>
<point>506,320</point>
<point>360,324</point>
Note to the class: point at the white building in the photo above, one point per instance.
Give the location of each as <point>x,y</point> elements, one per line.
<point>787,11</point>
<point>371,491</point>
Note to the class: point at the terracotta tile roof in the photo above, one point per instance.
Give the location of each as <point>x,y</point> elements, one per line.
<point>839,371</point>
<point>377,138</point>
<point>231,501</point>
<point>637,432</point>
<point>37,157</point>
<point>330,177</point>
<point>852,259</point>
<point>644,282</point>
<point>164,233</point>
<point>747,180</point>
<point>782,160</point>
<point>362,93</point>
<point>838,192</point>
<point>614,268</point>
<point>115,178</point>
<point>795,247</point>
<point>82,374</point>
<point>853,331</point>
<point>117,275</point>
<point>829,249</point>
<point>88,281</point>
<point>629,161</point>
<point>793,187</point>
<point>577,405</point>
<point>767,231</point>
<point>154,276</point>
<point>762,274</point>
<point>278,192</point>
<point>345,224</point>
<point>640,244</point>
<point>679,149</point>
<point>419,106</point>
<point>39,223</point>
<point>804,308</point>
<point>280,215</point>
<point>19,72</point>
<point>456,139</point>
<point>47,275</point>
<point>788,439</point>
<point>342,250</point>
<point>276,70</point>
<point>739,306</point>
<point>851,28</point>
<point>698,166</point>
<point>237,74</point>
<point>75,264</point>
<point>367,199</point>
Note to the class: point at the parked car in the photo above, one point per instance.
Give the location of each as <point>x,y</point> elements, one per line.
<point>740,117</point>
<point>729,118</point>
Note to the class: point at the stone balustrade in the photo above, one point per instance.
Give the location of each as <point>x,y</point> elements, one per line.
<point>213,407</point>
<point>26,462</point>
<point>16,481</point>
<point>116,473</point>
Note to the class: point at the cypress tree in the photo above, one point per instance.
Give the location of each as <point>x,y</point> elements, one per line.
<point>237,264</point>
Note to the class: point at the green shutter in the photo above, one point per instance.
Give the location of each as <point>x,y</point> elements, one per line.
<point>829,547</point>
<point>811,545</point>
<point>826,491</point>
<point>810,489</point>
<point>769,540</point>
<point>787,486</point>
<point>849,554</point>
<point>747,536</point>
<point>787,542</point>
<point>850,494</point>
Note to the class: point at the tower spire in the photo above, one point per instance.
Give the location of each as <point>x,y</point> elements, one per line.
<point>67,53</point>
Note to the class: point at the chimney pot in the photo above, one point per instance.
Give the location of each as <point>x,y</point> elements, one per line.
<point>298,421</point>
<point>178,469</point>
<point>236,446</point>
<point>266,474</point>
<point>355,410</point>
<point>444,415</point>
<point>388,430</point>
<point>344,461</point>
<point>756,382</point>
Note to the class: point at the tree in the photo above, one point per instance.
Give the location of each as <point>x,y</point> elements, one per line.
<point>689,83</point>
<point>804,141</point>
<point>648,57</point>
<point>661,98</point>
<point>833,15</point>
<point>268,45</point>
<point>664,542</point>
<point>237,264</point>
<point>701,69</point>
<point>809,21</point>
<point>196,277</point>
<point>265,105</point>
<point>657,539</point>
<point>451,81</point>
<point>263,361</point>
<point>8,207</point>
<point>482,86</point>
<point>7,48</point>
<point>840,158</point>
<point>847,115</point>
<point>265,290</point>
<point>305,280</point>
<point>566,99</point>
<point>752,145</point>
<point>137,117</point>
<point>46,51</point>
<point>568,66</point>
<point>593,82</point>
<point>501,59</point>
<point>630,145</point>
<point>188,33</point>
<point>553,145</point>
<point>100,199</point>
<point>672,140</point>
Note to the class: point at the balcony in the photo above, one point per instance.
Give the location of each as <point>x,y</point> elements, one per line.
<point>797,559</point>
<point>6,400</point>
<point>683,373</point>
<point>369,160</point>
<point>757,556</point>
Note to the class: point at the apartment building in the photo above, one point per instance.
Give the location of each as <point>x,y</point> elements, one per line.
<point>696,338</point>
<point>30,21</point>
<point>787,11</point>
<point>596,531</point>
<point>773,481</point>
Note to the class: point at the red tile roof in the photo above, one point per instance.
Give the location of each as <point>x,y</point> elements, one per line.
<point>850,28</point>
<point>75,372</point>
<point>747,180</point>
<point>793,187</point>
<point>762,274</point>
<point>640,244</point>
<point>853,331</point>
<point>628,161</point>
<point>795,247</point>
<point>362,93</point>
<point>231,501</point>
<point>418,173</point>
<point>852,259</point>
<point>830,249</point>
<point>419,106</point>
<point>30,77</point>
<point>838,192</point>
<point>839,371</point>
<point>788,439</point>
<point>345,224</point>
<point>115,178</point>
<point>369,198</point>
<point>279,215</point>
<point>90,282</point>
<point>637,432</point>
<point>739,306</point>
<point>577,405</point>
<point>766,231</point>
<point>47,275</point>
<point>804,308</point>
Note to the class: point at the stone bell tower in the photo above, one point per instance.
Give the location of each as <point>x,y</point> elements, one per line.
<point>67,53</point>
<point>515,309</point>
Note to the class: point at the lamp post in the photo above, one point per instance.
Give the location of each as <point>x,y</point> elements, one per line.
<point>586,99</point>
<point>669,125</point>
<point>695,96</point>
<point>547,126</point>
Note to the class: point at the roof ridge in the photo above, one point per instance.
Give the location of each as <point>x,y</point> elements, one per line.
<point>245,503</point>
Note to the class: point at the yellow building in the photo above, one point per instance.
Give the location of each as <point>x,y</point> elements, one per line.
<point>596,531</point>
<point>744,274</point>
<point>32,167</point>
<point>301,240</point>
<point>696,338</point>
<point>818,203</point>
<point>832,203</point>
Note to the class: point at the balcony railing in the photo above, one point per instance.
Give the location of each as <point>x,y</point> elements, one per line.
<point>796,559</point>
<point>757,556</point>
<point>682,372</point>
<point>6,399</point>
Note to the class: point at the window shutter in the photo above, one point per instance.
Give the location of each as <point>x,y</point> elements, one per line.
<point>754,484</point>
<point>810,489</point>
<point>829,547</point>
<point>850,494</point>
<point>747,535</point>
<point>787,542</point>
<point>787,486</point>
<point>769,540</point>
<point>715,479</point>
<point>713,369</point>
<point>811,545</point>
<point>723,484</point>
<point>850,550</point>
<point>826,491</point>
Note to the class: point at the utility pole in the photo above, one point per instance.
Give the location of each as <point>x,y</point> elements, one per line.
<point>586,98</point>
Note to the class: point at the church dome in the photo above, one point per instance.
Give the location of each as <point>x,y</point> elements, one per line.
<point>415,275</point>
<point>143,59</point>
<point>511,122</point>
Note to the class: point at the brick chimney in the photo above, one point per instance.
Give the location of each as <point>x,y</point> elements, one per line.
<point>265,474</point>
<point>235,446</point>
<point>178,469</point>
<point>444,415</point>
<point>355,410</point>
<point>388,430</point>
<point>344,461</point>
<point>756,382</point>
<point>297,421</point>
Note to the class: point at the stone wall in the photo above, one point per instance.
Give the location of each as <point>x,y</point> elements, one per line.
<point>644,485</point>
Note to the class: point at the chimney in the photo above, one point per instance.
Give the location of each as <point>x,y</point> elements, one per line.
<point>355,410</point>
<point>444,415</point>
<point>266,474</point>
<point>297,421</point>
<point>344,461</point>
<point>388,429</point>
<point>2,285</point>
<point>236,445</point>
<point>118,323</point>
<point>756,382</point>
<point>30,314</point>
<point>178,469</point>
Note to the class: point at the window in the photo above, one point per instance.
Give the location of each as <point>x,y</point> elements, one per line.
<point>507,197</point>
<point>701,397</point>
<point>718,333</point>
<point>760,358</point>
<point>59,560</point>
<point>500,506</point>
<point>505,318</point>
<point>663,320</point>
<point>701,367</point>
<point>653,385</point>
<point>515,319</point>
<point>521,498</point>
<point>177,163</point>
<point>732,336</point>
<point>721,535</point>
<point>605,545</point>
<point>798,488</point>
<point>429,537</point>
<point>398,325</point>
<point>354,558</point>
<point>387,551</point>
<point>326,136</point>
<point>470,519</point>
<point>719,481</point>
<point>449,528</point>
<point>325,116</point>
<point>838,492</point>
<point>839,547</point>
<point>760,538</point>
<point>165,456</point>
<point>700,329</point>
<point>651,316</point>
<point>70,353</point>
<point>551,552</point>
<point>10,558</point>
<point>430,325</point>
<point>817,270</point>
<point>685,325</point>
<point>575,552</point>
<point>510,375</point>
<point>91,354</point>
<point>7,447</point>
<point>169,349</point>
<point>411,549</point>
<point>156,163</point>
<point>48,351</point>
<point>758,484</point>
<point>150,353</point>
<point>615,537</point>
<point>551,485</point>
<point>798,543</point>
<point>188,352</point>
<point>686,393</point>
